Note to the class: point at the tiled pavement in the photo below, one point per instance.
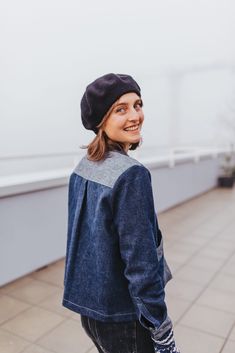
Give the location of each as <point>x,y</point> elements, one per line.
<point>199,240</point>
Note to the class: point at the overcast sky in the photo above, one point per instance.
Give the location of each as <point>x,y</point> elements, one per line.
<point>50,50</point>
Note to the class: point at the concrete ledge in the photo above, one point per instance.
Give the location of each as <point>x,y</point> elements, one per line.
<point>22,183</point>
<point>33,206</point>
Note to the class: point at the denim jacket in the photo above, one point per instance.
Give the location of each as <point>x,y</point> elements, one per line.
<point>115,268</point>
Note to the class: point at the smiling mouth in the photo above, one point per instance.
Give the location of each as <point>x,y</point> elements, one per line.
<point>132,128</point>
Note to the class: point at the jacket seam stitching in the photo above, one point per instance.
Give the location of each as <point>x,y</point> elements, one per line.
<point>93,181</point>
<point>118,314</point>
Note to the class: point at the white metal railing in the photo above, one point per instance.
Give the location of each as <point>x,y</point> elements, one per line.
<point>38,180</point>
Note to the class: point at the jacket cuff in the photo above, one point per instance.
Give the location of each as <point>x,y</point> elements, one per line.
<point>163,331</point>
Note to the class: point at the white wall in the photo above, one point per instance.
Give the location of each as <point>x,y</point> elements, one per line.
<point>52,49</point>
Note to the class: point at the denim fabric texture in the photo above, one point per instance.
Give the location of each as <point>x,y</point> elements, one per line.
<point>115,267</point>
<point>118,337</point>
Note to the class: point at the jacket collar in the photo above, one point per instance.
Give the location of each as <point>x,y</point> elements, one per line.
<point>120,151</point>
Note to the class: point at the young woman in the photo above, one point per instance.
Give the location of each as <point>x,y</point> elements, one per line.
<point>115,270</point>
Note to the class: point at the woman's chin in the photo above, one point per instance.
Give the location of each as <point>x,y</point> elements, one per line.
<point>135,139</point>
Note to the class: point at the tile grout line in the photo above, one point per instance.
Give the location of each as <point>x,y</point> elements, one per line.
<point>14,316</point>
<point>199,249</point>
<point>194,255</point>
<point>33,304</point>
<point>200,224</point>
<point>26,339</point>
<point>32,343</point>
<point>226,339</point>
<point>60,323</point>
<point>202,331</point>
<point>49,331</point>
<point>18,336</point>
<point>203,290</point>
<point>217,233</point>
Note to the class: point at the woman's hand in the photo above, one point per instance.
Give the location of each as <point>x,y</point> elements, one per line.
<point>165,344</point>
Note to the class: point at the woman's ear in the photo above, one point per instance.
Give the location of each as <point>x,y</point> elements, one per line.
<point>102,128</point>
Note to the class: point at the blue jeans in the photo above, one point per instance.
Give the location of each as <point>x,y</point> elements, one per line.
<point>118,337</point>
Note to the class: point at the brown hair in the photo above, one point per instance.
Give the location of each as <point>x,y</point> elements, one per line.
<point>102,144</point>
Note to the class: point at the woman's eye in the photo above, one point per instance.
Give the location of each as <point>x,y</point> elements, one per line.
<point>138,105</point>
<point>120,110</point>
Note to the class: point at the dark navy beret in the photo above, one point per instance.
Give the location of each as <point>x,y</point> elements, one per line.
<point>100,96</point>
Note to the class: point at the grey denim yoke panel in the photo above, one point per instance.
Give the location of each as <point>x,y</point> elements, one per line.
<point>107,171</point>
<point>115,267</point>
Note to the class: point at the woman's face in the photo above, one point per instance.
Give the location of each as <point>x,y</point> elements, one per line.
<point>125,120</point>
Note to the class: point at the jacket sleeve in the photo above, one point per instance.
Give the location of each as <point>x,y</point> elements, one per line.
<point>136,224</point>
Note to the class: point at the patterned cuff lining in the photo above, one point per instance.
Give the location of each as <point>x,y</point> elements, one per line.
<point>167,345</point>
<point>171,349</point>
<point>169,339</point>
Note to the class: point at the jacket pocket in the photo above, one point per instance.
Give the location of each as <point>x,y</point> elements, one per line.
<point>167,275</point>
<point>160,250</point>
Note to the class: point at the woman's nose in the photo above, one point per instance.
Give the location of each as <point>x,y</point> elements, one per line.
<point>134,115</point>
